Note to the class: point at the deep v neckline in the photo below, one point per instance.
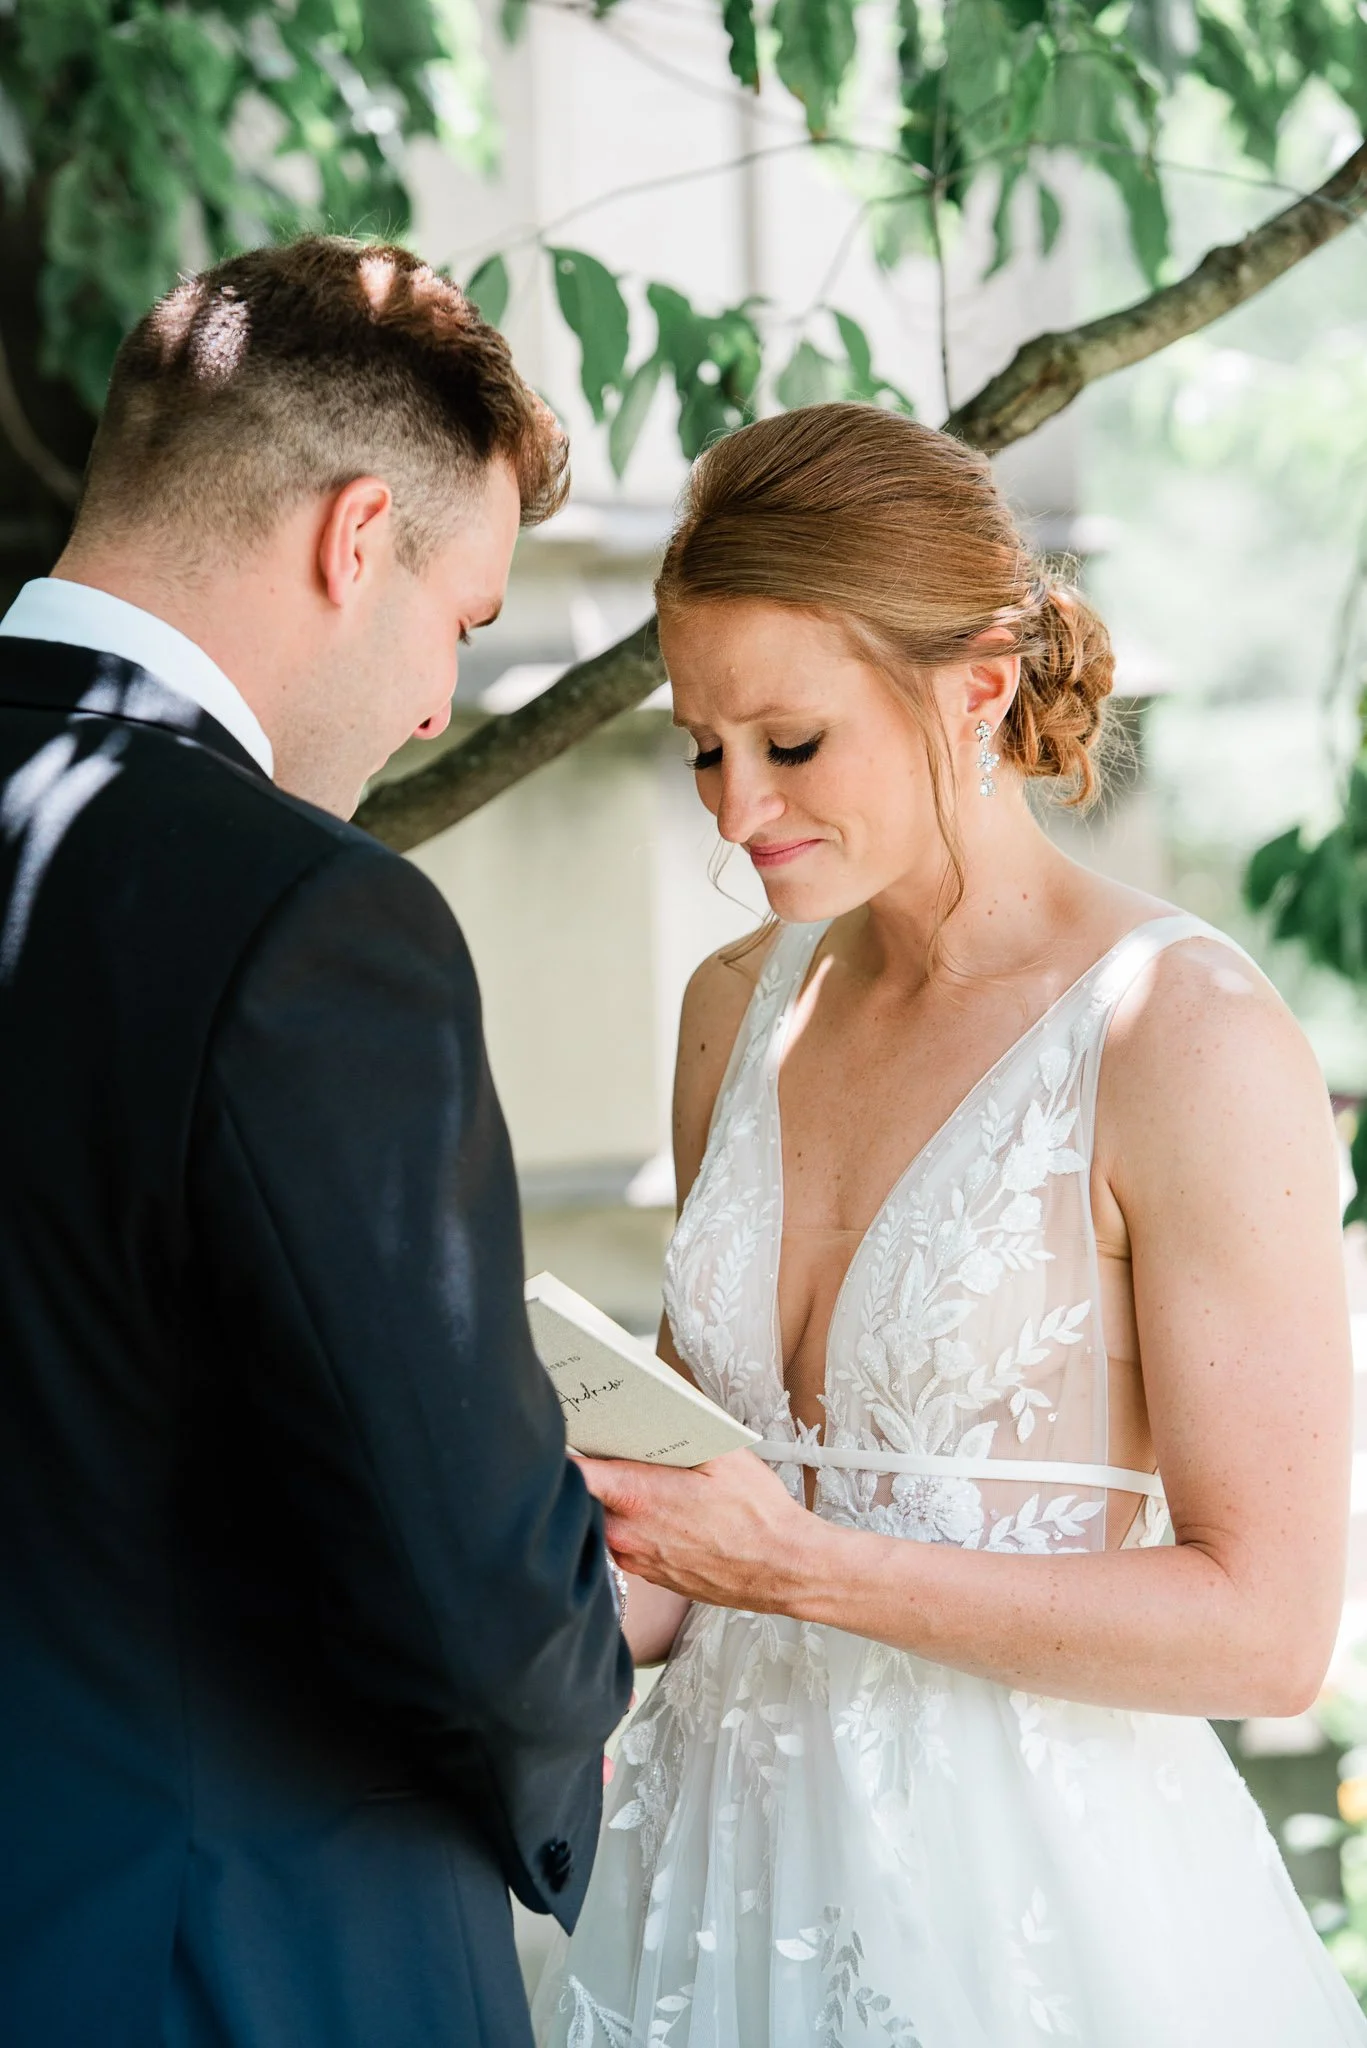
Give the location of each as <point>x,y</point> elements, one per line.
<point>918,1159</point>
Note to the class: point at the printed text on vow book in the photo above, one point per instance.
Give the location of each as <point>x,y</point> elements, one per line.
<point>620,1401</point>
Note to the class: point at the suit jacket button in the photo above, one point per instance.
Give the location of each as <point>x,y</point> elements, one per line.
<point>557,1861</point>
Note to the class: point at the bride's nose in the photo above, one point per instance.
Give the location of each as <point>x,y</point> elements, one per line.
<point>749,801</point>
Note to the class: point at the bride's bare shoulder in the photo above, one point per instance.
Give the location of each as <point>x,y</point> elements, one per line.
<point>714,1004</point>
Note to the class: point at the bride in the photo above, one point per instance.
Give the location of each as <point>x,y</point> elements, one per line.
<point>927,1764</point>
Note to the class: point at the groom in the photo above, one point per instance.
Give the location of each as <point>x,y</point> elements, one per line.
<point>307,1645</point>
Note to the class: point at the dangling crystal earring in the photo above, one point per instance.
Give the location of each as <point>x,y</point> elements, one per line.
<point>987,760</point>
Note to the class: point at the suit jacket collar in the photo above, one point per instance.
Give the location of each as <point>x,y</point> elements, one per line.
<point>81,683</point>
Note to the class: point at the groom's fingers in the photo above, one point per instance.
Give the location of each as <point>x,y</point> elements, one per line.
<point>623,1487</point>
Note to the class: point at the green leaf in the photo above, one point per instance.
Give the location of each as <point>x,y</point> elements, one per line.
<point>512,19</point>
<point>1139,187</point>
<point>861,380</point>
<point>734,345</point>
<point>1100,104</point>
<point>1002,219</point>
<point>738,19</point>
<point>816,43</point>
<point>1355,806</point>
<point>809,378</point>
<point>15,161</point>
<point>630,415</point>
<point>682,332</point>
<point>931,136</point>
<point>401,35</point>
<point>704,417</point>
<point>1050,216</point>
<point>715,360</point>
<point>1356,1212</point>
<point>1031,66</point>
<point>1270,867</point>
<point>856,344</point>
<point>488,290</point>
<point>596,314</point>
<point>1238,63</point>
<point>911,62</point>
<point>980,47</point>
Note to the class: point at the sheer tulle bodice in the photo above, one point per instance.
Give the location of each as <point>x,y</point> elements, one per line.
<point>815,1838</point>
<point>965,1353</point>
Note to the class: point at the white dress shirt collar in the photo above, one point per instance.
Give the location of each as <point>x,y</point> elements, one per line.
<point>77,615</point>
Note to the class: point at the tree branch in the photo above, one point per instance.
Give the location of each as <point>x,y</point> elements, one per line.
<point>1047,374</point>
<point>403,814</point>
<point>63,483</point>
<point>1044,377</point>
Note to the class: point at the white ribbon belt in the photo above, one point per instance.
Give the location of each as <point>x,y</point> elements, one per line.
<point>1030,1471</point>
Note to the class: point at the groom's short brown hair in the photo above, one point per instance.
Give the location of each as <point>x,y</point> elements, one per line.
<point>288,371</point>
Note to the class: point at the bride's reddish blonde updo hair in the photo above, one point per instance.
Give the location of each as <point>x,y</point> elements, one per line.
<point>900,535</point>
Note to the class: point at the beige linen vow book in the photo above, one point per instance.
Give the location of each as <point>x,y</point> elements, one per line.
<point>619,1399</point>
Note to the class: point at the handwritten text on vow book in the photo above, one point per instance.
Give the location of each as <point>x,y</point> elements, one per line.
<point>619,1400</point>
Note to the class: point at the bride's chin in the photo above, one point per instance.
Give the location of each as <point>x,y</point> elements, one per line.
<point>807,902</point>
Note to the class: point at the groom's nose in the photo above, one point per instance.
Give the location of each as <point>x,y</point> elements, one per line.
<point>432,728</point>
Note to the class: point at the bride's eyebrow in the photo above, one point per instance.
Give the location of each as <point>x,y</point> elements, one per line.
<point>775,711</point>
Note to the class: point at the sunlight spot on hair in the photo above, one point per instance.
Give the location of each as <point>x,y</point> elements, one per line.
<point>378,278</point>
<point>172,320</point>
<point>38,804</point>
<point>219,341</point>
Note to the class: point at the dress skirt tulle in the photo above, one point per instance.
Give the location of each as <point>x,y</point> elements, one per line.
<point>811,1838</point>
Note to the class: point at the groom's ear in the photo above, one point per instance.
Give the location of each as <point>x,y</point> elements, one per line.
<point>357,530</point>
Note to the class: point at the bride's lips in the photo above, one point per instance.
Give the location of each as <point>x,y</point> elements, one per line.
<point>778,856</point>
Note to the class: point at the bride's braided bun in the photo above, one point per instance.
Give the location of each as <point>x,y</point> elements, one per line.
<point>901,534</point>
<point>1067,670</point>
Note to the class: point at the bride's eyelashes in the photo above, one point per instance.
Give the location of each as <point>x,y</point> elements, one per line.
<point>793,757</point>
<point>781,757</point>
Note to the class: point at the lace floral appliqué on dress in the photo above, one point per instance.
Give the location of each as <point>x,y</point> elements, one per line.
<point>812,1838</point>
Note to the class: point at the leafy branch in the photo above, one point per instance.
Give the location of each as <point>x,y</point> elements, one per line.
<point>1048,373</point>
<point>1044,378</point>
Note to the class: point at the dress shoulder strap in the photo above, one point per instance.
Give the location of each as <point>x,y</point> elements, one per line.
<point>766,1013</point>
<point>1122,968</point>
<point>1132,955</point>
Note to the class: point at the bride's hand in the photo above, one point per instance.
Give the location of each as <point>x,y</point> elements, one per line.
<point>728,1532</point>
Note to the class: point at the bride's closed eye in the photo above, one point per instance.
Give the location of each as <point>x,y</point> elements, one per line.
<point>782,757</point>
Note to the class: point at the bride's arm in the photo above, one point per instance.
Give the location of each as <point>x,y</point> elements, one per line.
<point>714,1004</point>
<point>1218,1148</point>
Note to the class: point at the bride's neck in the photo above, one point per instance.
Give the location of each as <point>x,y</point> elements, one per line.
<point>1016,890</point>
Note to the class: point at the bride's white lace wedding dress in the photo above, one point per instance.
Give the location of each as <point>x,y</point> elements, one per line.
<point>812,1838</point>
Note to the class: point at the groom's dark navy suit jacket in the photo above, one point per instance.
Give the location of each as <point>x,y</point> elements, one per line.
<point>306,1643</point>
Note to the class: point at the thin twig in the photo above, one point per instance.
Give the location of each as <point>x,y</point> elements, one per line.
<point>63,483</point>
<point>530,237</point>
<point>937,194</point>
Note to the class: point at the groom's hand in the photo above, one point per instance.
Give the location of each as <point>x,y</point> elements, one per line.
<point>727,1533</point>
